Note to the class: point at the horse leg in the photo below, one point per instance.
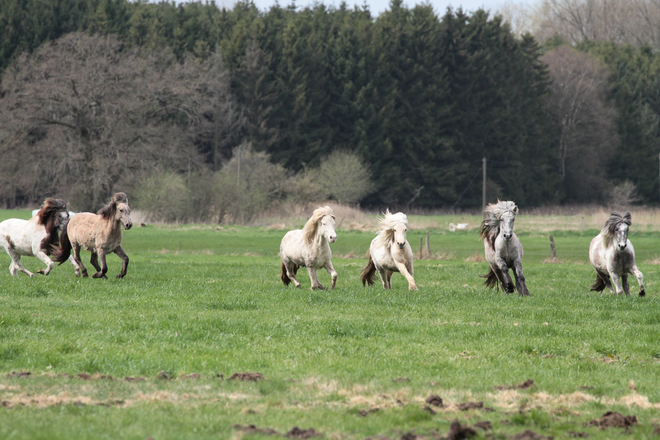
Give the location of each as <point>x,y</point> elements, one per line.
<point>384,277</point>
<point>78,261</point>
<point>520,279</point>
<point>505,278</point>
<point>333,273</point>
<point>75,265</point>
<point>16,261</point>
<point>616,280</point>
<point>47,261</point>
<point>624,283</point>
<point>104,266</point>
<point>124,258</point>
<point>640,279</point>
<point>94,260</point>
<point>605,276</point>
<point>291,270</point>
<point>314,276</point>
<point>404,271</point>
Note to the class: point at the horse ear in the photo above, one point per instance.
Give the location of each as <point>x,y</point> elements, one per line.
<point>515,210</point>
<point>627,216</point>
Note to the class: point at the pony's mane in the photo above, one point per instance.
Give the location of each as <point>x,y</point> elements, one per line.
<point>387,224</point>
<point>312,225</point>
<point>612,223</point>
<point>109,210</point>
<point>490,226</point>
<point>47,215</point>
<point>49,209</point>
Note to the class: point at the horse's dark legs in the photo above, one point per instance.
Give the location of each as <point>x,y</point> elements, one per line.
<point>76,258</point>
<point>605,276</point>
<point>104,266</point>
<point>626,286</point>
<point>120,252</point>
<point>94,260</point>
<point>504,277</point>
<point>520,279</point>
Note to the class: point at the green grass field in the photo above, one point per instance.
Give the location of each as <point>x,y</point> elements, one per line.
<point>152,355</point>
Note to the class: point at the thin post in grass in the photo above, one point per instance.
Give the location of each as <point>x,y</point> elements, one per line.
<point>421,247</point>
<point>552,247</point>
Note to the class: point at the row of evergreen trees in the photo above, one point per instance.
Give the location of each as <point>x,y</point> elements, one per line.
<point>421,97</point>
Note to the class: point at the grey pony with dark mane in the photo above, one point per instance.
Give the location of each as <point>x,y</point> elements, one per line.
<point>613,256</point>
<point>502,247</point>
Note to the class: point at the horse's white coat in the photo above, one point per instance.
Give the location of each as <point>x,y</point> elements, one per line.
<point>504,250</point>
<point>20,237</point>
<point>613,256</point>
<point>310,247</point>
<point>391,252</point>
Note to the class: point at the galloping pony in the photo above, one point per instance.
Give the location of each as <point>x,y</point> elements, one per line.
<point>390,252</point>
<point>502,247</point>
<point>36,237</point>
<point>99,233</point>
<point>613,256</point>
<point>310,247</point>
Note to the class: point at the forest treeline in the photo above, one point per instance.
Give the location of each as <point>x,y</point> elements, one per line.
<point>162,98</point>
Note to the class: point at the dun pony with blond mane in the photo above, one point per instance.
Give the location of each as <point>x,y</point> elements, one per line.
<point>502,247</point>
<point>99,233</point>
<point>36,237</point>
<point>613,256</point>
<point>310,247</point>
<point>390,252</point>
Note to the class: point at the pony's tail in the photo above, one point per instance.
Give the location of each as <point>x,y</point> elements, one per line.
<point>491,280</point>
<point>368,274</point>
<point>62,252</point>
<point>599,285</point>
<point>285,278</point>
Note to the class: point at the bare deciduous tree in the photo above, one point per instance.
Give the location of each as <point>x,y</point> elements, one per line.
<point>82,115</point>
<point>586,122</point>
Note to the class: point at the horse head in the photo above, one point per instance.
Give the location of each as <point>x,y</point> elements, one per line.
<point>53,214</point>
<point>400,234</point>
<point>327,228</point>
<point>118,210</point>
<point>617,226</point>
<point>506,224</point>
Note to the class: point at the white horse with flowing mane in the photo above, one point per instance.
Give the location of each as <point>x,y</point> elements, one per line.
<point>310,247</point>
<point>613,256</point>
<point>36,237</point>
<point>390,252</point>
<point>502,247</point>
<point>99,233</point>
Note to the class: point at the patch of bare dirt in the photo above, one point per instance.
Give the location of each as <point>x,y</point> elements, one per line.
<point>191,376</point>
<point>613,419</point>
<point>577,434</point>
<point>366,412</point>
<point>484,424</point>
<point>251,429</point>
<point>521,386</point>
<point>429,410</point>
<point>251,377</point>
<point>163,376</point>
<point>530,435</point>
<point>134,379</point>
<point>84,376</point>
<point>460,432</point>
<point>298,433</point>
<point>434,400</point>
<point>19,374</point>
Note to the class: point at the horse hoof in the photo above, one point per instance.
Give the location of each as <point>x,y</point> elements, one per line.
<point>120,276</point>
<point>41,271</point>
<point>412,288</point>
<point>642,292</point>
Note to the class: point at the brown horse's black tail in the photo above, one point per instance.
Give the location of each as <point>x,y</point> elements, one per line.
<point>598,285</point>
<point>62,252</point>
<point>368,274</point>
<point>285,278</point>
<point>491,280</point>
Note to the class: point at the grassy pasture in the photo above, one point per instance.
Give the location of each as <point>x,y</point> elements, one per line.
<point>200,303</point>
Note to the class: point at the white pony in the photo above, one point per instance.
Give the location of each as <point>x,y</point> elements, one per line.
<point>390,252</point>
<point>502,247</point>
<point>613,256</point>
<point>36,237</point>
<point>309,247</point>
